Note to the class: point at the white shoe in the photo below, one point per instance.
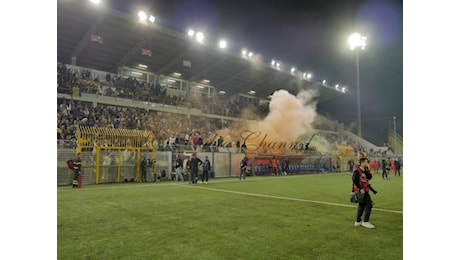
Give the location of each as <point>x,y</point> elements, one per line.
<point>367,225</point>
<point>357,224</point>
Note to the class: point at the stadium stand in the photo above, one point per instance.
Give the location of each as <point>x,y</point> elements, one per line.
<point>104,87</point>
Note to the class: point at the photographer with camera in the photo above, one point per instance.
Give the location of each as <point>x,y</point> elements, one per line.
<point>361,176</point>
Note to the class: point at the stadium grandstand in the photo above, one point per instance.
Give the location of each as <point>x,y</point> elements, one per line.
<point>115,72</point>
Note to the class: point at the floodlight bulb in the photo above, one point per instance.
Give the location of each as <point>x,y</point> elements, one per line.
<point>222,44</point>
<point>142,15</point>
<point>199,36</point>
<point>191,33</point>
<point>357,40</point>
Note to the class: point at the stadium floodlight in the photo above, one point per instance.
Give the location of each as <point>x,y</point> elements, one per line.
<point>273,62</point>
<point>292,70</point>
<point>357,40</point>
<point>337,86</point>
<point>191,33</point>
<point>278,65</point>
<point>142,16</point>
<point>324,82</point>
<point>223,44</point>
<point>152,18</point>
<point>95,1</point>
<point>343,89</point>
<point>306,76</point>
<point>199,37</point>
<point>246,54</point>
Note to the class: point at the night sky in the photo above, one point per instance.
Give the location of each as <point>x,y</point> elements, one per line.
<point>310,35</point>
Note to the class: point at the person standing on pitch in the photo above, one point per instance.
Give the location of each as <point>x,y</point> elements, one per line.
<point>179,163</point>
<point>194,163</point>
<point>76,171</point>
<point>285,166</point>
<point>144,165</point>
<point>243,166</point>
<point>385,167</point>
<point>361,176</point>
<point>351,164</point>
<point>398,167</point>
<point>206,169</point>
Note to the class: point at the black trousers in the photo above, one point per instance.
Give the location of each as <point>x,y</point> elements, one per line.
<point>194,175</point>
<point>205,176</point>
<point>364,208</point>
<point>144,175</point>
<point>75,178</point>
<point>75,175</point>
<point>243,173</point>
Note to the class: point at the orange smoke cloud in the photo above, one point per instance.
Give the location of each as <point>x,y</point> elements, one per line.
<point>289,118</point>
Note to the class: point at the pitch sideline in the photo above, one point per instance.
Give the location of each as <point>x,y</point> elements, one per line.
<point>287,198</point>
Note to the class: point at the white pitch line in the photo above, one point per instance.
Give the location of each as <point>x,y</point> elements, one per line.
<point>291,199</point>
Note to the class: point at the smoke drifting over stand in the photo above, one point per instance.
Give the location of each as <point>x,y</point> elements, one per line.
<point>289,118</point>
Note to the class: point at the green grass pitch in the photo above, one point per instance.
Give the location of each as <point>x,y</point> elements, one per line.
<point>278,217</point>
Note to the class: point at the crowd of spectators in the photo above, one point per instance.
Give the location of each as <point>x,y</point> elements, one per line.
<point>170,129</point>
<point>131,88</point>
<point>164,125</point>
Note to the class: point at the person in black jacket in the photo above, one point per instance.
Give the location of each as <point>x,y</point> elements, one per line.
<point>144,164</point>
<point>206,170</point>
<point>351,164</point>
<point>361,176</point>
<point>397,167</point>
<point>76,171</point>
<point>243,167</point>
<point>385,168</point>
<point>179,164</point>
<point>194,163</point>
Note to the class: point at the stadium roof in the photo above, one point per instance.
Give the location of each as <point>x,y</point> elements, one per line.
<point>105,39</point>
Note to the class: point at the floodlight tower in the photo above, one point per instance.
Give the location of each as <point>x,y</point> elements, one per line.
<point>394,131</point>
<point>357,40</point>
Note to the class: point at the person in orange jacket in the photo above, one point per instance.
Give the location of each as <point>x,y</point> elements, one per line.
<point>274,165</point>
